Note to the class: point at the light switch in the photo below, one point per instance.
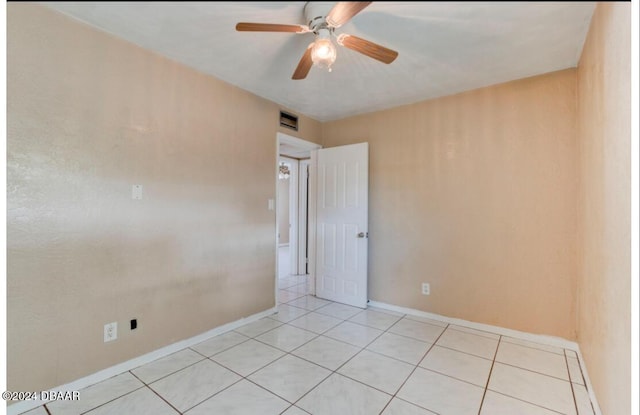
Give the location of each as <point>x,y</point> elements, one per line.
<point>136,192</point>
<point>272,204</point>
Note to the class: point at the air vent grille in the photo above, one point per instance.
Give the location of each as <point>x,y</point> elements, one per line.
<point>288,120</point>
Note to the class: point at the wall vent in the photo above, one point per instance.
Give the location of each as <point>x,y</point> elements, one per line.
<point>288,120</point>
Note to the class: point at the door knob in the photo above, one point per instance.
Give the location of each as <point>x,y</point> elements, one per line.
<point>361,235</point>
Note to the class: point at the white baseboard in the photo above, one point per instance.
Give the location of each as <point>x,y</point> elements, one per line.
<point>537,338</point>
<point>97,377</point>
<point>23,406</point>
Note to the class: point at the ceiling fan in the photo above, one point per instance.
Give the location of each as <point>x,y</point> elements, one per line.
<point>323,21</point>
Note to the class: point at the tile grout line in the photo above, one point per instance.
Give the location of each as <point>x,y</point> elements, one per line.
<point>293,406</point>
<point>294,306</point>
<point>147,385</point>
<point>295,348</point>
<point>290,292</point>
<point>356,345</point>
<point>395,358</point>
<point>286,353</point>
<point>486,386</point>
<point>361,349</point>
<point>426,343</point>
<point>331,372</point>
<point>334,316</point>
<point>223,350</point>
<point>466,353</point>
<point>217,393</point>
<point>533,347</point>
<point>359,352</point>
<point>260,368</point>
<point>171,373</point>
<point>296,299</point>
<point>289,353</point>
<point>527,402</point>
<point>431,411</point>
<point>166,401</point>
<point>522,400</point>
<point>366,325</point>
<point>144,385</point>
<point>584,381</point>
<point>335,371</point>
<point>233,383</point>
<point>315,363</point>
<point>156,393</point>
<point>263,332</point>
<point>379,354</point>
<point>283,398</point>
<point>533,371</point>
<point>449,376</point>
<point>415,368</point>
<point>476,332</point>
<point>243,377</point>
<point>320,334</point>
<point>573,392</point>
<point>408,337</point>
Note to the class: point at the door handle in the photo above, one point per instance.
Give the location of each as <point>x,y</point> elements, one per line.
<point>362,235</point>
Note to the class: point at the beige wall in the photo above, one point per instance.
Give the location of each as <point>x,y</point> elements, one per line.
<point>604,286</point>
<point>476,194</point>
<point>88,116</point>
<point>498,197</point>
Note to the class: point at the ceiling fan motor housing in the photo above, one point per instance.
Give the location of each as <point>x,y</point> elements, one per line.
<point>315,14</point>
<point>323,19</point>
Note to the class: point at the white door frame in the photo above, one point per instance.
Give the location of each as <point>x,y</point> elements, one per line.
<point>313,185</point>
<point>303,145</point>
<point>303,216</point>
<point>294,246</point>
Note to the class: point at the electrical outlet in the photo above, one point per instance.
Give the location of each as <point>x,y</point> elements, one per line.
<point>426,289</point>
<point>110,331</point>
<point>136,192</point>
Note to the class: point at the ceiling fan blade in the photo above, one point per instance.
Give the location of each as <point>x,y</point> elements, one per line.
<point>304,65</point>
<point>372,50</point>
<point>270,27</point>
<point>344,11</point>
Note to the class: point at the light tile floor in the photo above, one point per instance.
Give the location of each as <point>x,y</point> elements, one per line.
<point>319,357</point>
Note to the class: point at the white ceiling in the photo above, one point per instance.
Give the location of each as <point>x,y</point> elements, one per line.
<point>444,47</point>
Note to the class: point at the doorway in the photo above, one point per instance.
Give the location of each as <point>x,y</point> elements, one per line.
<point>292,204</point>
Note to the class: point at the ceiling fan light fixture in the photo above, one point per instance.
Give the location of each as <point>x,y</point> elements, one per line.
<point>323,19</point>
<point>323,51</point>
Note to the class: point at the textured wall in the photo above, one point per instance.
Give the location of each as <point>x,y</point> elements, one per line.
<point>476,194</point>
<point>88,116</point>
<point>604,135</point>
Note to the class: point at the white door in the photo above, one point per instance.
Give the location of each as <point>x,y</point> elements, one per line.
<point>341,223</point>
